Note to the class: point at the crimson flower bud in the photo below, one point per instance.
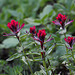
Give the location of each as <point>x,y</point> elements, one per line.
<point>61,21</point>
<point>33,30</point>
<point>14,27</point>
<point>70,41</point>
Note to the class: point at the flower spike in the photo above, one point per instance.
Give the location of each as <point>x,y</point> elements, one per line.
<point>61,21</point>
<point>33,30</point>
<point>41,37</point>
<point>70,41</point>
<point>14,27</point>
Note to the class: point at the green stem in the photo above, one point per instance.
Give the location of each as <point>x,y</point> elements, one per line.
<point>65,35</point>
<point>67,54</point>
<point>68,61</point>
<point>44,64</point>
<point>28,63</point>
<point>25,56</point>
<point>50,66</point>
<point>73,55</point>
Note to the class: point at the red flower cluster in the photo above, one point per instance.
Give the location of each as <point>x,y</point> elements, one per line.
<point>14,27</point>
<point>70,41</point>
<point>41,36</point>
<point>61,21</point>
<point>33,30</point>
<point>61,18</point>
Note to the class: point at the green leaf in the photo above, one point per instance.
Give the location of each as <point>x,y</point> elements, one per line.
<point>33,53</point>
<point>68,4</point>
<point>27,46</point>
<point>59,7</point>
<point>10,42</point>
<point>3,74</point>
<point>14,13</point>
<point>46,11</point>
<point>16,70</point>
<point>24,60</point>
<point>2,62</point>
<point>66,56</point>
<point>16,55</point>
<point>2,2</point>
<point>42,70</point>
<point>32,21</point>
<point>50,49</point>
<point>37,60</point>
<point>60,50</point>
<point>1,46</point>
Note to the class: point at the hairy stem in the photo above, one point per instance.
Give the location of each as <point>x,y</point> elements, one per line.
<point>44,64</point>
<point>50,66</point>
<point>25,56</point>
<point>67,54</point>
<point>73,55</point>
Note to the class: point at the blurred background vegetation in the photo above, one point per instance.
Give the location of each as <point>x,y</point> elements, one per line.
<point>40,13</point>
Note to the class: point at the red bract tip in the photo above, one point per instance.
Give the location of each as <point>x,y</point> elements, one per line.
<point>41,34</point>
<point>70,41</point>
<point>61,20</point>
<point>33,30</point>
<point>57,18</point>
<point>15,27</point>
<point>53,21</point>
<point>61,23</point>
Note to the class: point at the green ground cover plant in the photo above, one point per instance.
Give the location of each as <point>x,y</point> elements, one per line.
<point>37,37</point>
